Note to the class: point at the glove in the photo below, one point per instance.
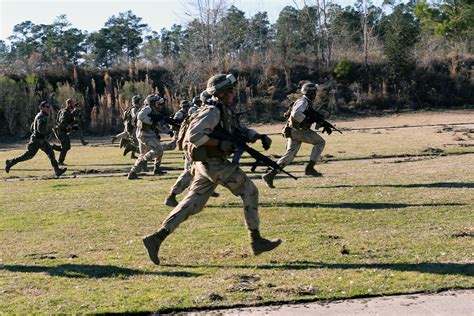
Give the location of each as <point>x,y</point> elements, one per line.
<point>266,141</point>
<point>226,146</point>
<point>327,130</point>
<point>171,133</point>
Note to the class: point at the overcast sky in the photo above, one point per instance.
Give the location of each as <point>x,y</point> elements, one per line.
<point>90,15</point>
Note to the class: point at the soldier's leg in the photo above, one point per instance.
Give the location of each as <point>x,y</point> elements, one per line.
<point>200,191</point>
<point>48,150</point>
<point>81,136</point>
<point>140,163</point>
<point>171,145</point>
<point>311,137</point>
<point>241,185</point>
<point>155,153</point>
<point>293,145</point>
<point>65,146</point>
<point>31,150</point>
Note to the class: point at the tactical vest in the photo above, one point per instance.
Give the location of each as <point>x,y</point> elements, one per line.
<point>202,153</point>
<point>306,123</point>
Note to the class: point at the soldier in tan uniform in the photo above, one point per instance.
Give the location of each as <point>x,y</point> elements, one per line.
<point>185,178</point>
<point>178,117</point>
<point>298,131</point>
<point>149,125</point>
<point>211,168</point>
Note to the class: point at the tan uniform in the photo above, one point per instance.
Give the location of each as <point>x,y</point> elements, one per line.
<point>148,142</point>
<point>301,133</point>
<point>214,170</point>
<point>185,178</point>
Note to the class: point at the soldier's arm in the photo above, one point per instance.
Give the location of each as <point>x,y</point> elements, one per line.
<point>144,115</point>
<point>202,126</point>
<point>298,110</point>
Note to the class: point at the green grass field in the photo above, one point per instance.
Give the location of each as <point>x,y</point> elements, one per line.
<point>399,200</point>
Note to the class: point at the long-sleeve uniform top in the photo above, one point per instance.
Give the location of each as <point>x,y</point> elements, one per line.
<point>65,120</point>
<point>211,116</point>
<point>297,117</point>
<point>145,125</point>
<point>40,128</point>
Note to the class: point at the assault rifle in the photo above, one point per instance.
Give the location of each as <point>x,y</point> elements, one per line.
<point>316,117</point>
<point>168,120</point>
<point>240,143</point>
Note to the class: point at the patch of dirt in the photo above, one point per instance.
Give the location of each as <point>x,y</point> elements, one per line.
<point>245,283</point>
<point>299,290</point>
<point>331,236</point>
<point>465,232</point>
<point>214,297</point>
<point>434,151</point>
<point>46,255</point>
<point>344,250</point>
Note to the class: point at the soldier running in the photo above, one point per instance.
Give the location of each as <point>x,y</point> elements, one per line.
<point>40,131</point>
<point>64,125</point>
<point>149,124</point>
<point>298,131</point>
<point>211,167</point>
<point>178,117</point>
<point>185,178</point>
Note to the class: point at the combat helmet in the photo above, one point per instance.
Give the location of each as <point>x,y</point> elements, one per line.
<point>309,88</point>
<point>136,99</point>
<point>152,98</point>
<point>185,104</point>
<point>197,100</point>
<point>219,83</point>
<point>204,96</point>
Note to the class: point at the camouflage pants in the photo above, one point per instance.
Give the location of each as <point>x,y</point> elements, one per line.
<point>65,141</point>
<point>185,178</point>
<point>207,176</point>
<point>150,149</point>
<point>32,148</point>
<point>293,145</point>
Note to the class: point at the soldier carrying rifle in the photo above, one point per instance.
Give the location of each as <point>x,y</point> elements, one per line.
<point>211,168</point>
<point>300,117</point>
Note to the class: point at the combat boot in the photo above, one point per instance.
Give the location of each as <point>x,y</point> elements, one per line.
<point>8,165</point>
<point>84,143</point>
<point>113,139</point>
<point>310,171</point>
<point>153,243</point>
<point>128,148</point>
<point>158,172</point>
<point>171,200</point>
<point>60,171</point>
<point>260,244</point>
<point>268,178</point>
<point>123,142</point>
<point>132,175</point>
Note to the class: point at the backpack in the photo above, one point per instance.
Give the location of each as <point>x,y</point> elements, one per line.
<point>187,122</point>
<point>184,128</point>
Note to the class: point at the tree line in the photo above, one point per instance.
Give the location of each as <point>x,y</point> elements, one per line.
<point>365,47</point>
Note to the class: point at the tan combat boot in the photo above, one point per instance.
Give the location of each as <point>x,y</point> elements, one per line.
<point>153,242</point>
<point>310,171</point>
<point>260,244</point>
<point>171,200</point>
<point>268,178</point>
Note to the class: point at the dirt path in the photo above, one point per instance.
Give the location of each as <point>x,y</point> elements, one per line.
<point>445,303</point>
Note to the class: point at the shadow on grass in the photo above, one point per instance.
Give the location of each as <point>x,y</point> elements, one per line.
<point>422,267</point>
<point>355,206</point>
<point>92,271</point>
<point>467,185</point>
